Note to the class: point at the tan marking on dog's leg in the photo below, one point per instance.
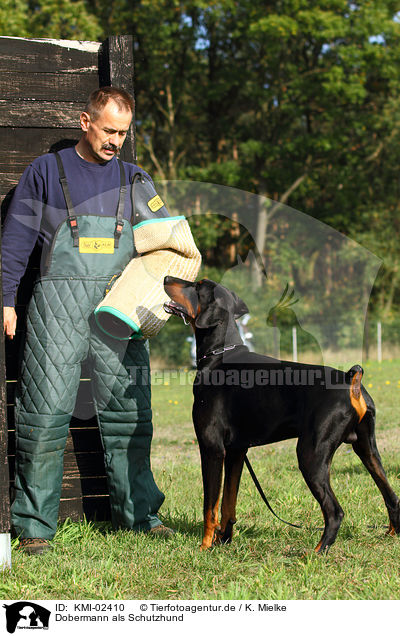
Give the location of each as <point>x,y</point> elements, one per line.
<point>233,472</point>
<point>318,547</point>
<point>391,531</point>
<point>210,527</point>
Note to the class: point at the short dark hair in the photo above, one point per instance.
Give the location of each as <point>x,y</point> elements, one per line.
<point>100,97</point>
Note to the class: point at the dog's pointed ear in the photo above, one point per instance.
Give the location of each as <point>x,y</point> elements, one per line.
<point>240,307</point>
<point>212,313</point>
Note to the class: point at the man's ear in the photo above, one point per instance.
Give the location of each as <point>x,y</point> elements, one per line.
<point>85,121</point>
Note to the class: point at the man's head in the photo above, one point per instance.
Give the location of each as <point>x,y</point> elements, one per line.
<point>105,123</point>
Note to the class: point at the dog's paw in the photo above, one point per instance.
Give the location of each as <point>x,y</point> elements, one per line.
<point>205,546</point>
<point>225,535</point>
<point>222,538</point>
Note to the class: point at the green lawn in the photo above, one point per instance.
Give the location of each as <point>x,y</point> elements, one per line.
<point>266,560</point>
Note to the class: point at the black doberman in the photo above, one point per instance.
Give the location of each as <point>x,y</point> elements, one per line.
<point>242,399</point>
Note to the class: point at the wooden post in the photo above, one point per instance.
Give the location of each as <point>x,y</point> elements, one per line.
<point>294,341</point>
<point>366,337</point>
<point>276,346</point>
<point>5,537</point>
<point>379,340</point>
<point>116,69</point>
<point>44,85</point>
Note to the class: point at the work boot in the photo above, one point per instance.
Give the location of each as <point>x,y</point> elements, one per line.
<point>162,531</point>
<point>34,545</point>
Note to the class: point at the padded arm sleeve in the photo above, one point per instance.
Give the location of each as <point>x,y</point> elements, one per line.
<point>146,203</point>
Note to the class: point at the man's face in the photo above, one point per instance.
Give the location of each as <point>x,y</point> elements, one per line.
<point>105,135</point>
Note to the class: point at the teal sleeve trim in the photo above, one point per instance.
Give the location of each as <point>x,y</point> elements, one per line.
<point>137,333</point>
<point>163,218</point>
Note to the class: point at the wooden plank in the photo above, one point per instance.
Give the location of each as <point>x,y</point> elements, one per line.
<point>18,148</point>
<point>93,508</point>
<point>12,361</point>
<point>83,486</point>
<point>116,68</point>
<point>14,162</point>
<point>33,141</point>
<point>76,465</point>
<point>78,487</point>
<point>8,180</point>
<point>19,54</point>
<point>88,464</point>
<point>43,114</point>
<point>71,509</point>
<point>84,411</point>
<point>57,83</point>
<point>67,87</point>
<point>10,389</point>
<point>4,465</point>
<point>84,439</point>
<point>79,440</point>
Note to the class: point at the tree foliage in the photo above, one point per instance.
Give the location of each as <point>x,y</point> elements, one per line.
<point>297,100</point>
<point>65,19</point>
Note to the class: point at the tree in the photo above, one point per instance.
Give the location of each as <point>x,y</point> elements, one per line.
<point>296,100</point>
<point>166,71</point>
<point>14,19</point>
<point>65,19</point>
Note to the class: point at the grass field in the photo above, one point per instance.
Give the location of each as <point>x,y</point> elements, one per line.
<point>266,560</point>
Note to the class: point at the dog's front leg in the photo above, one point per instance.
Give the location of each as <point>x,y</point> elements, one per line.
<point>211,466</point>
<point>233,470</point>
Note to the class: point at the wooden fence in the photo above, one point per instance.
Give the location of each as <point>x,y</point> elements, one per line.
<point>44,85</point>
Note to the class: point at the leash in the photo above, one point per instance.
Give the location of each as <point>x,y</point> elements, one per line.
<point>217,352</point>
<point>263,497</point>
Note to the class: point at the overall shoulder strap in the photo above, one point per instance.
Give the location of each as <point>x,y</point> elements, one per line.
<point>121,204</point>
<point>68,201</point>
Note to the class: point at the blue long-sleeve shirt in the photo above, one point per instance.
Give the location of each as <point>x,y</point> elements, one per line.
<point>38,207</point>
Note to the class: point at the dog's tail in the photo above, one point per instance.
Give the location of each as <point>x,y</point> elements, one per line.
<point>354,376</point>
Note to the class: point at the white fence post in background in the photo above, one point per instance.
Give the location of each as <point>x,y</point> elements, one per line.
<point>294,339</point>
<point>379,340</point>
<point>5,551</point>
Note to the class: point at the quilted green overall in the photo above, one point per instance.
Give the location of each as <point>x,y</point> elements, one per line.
<point>61,333</point>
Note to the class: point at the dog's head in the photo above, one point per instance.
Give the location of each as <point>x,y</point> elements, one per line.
<point>203,303</point>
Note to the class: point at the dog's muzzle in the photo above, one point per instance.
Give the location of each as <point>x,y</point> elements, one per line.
<point>177,310</point>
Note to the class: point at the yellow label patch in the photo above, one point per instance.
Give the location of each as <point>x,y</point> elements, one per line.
<point>89,245</point>
<point>155,203</point>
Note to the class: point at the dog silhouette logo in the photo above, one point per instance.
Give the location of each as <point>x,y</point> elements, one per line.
<point>26,615</point>
<point>284,318</point>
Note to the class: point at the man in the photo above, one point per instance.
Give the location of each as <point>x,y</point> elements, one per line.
<point>61,199</point>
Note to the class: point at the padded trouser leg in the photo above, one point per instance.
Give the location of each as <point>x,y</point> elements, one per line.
<point>40,443</point>
<point>55,345</point>
<point>121,387</point>
<point>39,472</point>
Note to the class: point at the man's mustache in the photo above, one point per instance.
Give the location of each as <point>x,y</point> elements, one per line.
<point>115,149</point>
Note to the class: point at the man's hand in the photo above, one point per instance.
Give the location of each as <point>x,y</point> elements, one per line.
<point>10,321</point>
